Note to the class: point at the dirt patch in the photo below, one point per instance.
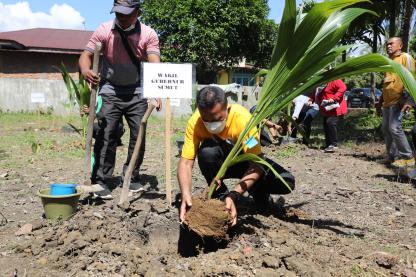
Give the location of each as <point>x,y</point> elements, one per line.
<point>348,216</point>
<point>208,218</point>
<point>110,241</point>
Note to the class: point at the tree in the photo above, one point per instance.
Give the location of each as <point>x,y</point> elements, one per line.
<point>407,11</point>
<point>212,33</point>
<point>362,81</point>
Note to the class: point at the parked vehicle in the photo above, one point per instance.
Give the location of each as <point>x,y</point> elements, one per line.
<point>361,98</point>
<point>346,94</point>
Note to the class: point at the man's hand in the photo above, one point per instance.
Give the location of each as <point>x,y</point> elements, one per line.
<point>84,110</point>
<point>91,76</point>
<point>185,206</point>
<point>230,206</point>
<point>289,128</point>
<point>331,101</point>
<point>406,107</point>
<point>159,104</point>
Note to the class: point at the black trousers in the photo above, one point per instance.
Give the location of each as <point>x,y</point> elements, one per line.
<point>330,129</point>
<point>212,154</point>
<point>119,133</point>
<point>132,107</point>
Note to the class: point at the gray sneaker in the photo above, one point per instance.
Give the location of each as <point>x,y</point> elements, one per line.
<point>103,194</point>
<point>330,149</point>
<point>136,185</point>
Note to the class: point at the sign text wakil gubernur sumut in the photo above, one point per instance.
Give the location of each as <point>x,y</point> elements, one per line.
<point>169,81</point>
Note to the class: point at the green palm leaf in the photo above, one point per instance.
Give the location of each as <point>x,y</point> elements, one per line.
<point>305,46</point>
<point>286,31</point>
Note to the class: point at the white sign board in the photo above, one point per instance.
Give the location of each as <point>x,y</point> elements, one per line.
<point>37,97</point>
<point>167,80</point>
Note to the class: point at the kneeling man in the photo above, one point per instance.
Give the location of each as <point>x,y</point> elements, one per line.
<point>210,134</point>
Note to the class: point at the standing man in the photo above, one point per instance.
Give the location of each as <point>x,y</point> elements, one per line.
<point>210,134</point>
<point>393,101</point>
<point>126,42</point>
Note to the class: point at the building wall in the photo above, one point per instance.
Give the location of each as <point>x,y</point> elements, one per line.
<point>223,78</point>
<point>244,77</point>
<point>30,95</point>
<point>35,65</point>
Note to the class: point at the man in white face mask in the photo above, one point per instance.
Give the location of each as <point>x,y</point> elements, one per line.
<point>210,134</point>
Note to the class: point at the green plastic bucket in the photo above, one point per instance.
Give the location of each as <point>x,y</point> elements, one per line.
<point>60,207</point>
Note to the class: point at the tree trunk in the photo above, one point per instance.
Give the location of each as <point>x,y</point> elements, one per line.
<point>373,75</point>
<point>344,56</point>
<point>392,18</point>
<point>407,14</point>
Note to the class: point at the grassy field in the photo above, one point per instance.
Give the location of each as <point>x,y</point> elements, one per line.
<point>28,137</point>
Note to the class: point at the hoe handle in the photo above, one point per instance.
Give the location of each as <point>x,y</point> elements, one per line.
<point>91,115</point>
<point>127,178</point>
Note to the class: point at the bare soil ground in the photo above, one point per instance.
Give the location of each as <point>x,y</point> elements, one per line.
<point>349,215</point>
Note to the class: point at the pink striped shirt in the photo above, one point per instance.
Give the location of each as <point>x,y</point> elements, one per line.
<point>118,68</point>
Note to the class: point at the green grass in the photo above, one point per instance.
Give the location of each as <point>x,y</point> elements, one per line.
<point>287,151</point>
<point>380,186</point>
<point>359,271</point>
<point>357,126</point>
<point>28,121</point>
<point>31,138</point>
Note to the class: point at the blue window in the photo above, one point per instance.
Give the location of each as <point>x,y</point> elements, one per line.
<point>244,79</point>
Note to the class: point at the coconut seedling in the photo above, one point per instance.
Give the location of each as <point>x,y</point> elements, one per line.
<point>78,94</point>
<point>305,46</point>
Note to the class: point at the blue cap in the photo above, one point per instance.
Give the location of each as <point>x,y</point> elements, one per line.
<point>125,6</point>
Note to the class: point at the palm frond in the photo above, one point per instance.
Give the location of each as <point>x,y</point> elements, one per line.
<point>305,47</point>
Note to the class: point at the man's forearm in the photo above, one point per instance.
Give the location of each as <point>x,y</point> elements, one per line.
<point>85,61</point>
<point>252,175</point>
<point>185,178</point>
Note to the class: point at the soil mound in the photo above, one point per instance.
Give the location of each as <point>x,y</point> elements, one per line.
<point>208,218</point>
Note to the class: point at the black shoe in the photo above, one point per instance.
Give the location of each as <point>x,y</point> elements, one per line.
<point>136,185</point>
<point>103,194</point>
<point>263,202</point>
<point>119,143</point>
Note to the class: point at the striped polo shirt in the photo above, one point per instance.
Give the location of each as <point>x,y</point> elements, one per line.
<point>119,75</point>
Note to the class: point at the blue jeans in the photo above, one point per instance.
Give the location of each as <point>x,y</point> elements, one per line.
<point>305,119</point>
<point>396,141</point>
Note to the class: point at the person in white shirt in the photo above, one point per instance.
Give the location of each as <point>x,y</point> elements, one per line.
<point>305,110</point>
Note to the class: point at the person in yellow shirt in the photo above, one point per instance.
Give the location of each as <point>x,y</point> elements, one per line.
<point>210,134</point>
<point>393,101</point>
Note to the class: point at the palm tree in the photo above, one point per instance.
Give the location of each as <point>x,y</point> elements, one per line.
<point>406,15</point>
<point>305,46</point>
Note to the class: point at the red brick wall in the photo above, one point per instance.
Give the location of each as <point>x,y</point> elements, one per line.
<point>35,65</point>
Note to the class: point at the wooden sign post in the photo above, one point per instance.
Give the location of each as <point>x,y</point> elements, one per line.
<point>168,147</point>
<point>168,80</point>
